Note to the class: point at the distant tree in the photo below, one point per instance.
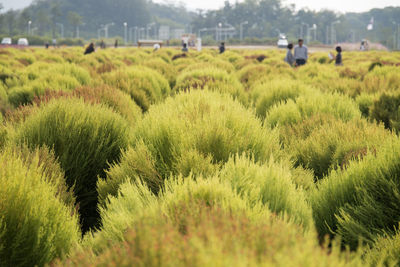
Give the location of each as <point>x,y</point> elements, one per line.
<point>10,22</point>
<point>42,21</point>
<point>75,20</point>
<point>23,19</point>
<point>55,14</point>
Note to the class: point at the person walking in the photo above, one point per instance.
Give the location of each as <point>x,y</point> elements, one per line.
<point>301,53</point>
<point>289,56</point>
<point>116,43</point>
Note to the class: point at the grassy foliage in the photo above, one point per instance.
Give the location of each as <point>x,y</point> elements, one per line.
<point>334,144</point>
<point>386,110</point>
<point>38,78</point>
<point>339,106</point>
<point>144,85</point>
<point>115,99</point>
<point>195,131</point>
<point>266,93</point>
<point>35,225</point>
<point>199,223</point>
<point>84,139</point>
<point>245,162</point>
<point>361,202</point>
<point>271,184</point>
<point>213,79</point>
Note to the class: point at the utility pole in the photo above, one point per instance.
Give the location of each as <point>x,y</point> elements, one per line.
<point>327,35</point>
<point>333,31</point>
<point>62,29</point>
<point>241,29</point>
<point>29,27</point>
<point>126,33</point>
<point>398,36</point>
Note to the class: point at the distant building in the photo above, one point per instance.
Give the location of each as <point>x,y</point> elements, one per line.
<point>164,33</point>
<point>177,33</point>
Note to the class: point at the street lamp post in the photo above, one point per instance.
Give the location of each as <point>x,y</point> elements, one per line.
<point>333,31</point>
<point>395,35</point>
<point>62,29</point>
<point>307,32</point>
<point>202,30</point>
<point>241,29</point>
<point>219,31</point>
<point>133,36</point>
<point>148,27</point>
<point>315,28</point>
<point>29,27</point>
<point>398,36</point>
<point>226,30</point>
<point>106,28</point>
<point>126,32</point>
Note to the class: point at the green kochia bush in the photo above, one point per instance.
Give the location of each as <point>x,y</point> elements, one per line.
<point>36,226</point>
<point>135,200</point>
<point>339,106</point>
<point>334,143</point>
<point>386,110</point>
<point>199,223</point>
<point>362,202</point>
<point>271,184</point>
<point>38,78</point>
<point>212,78</point>
<point>193,132</point>
<point>115,99</point>
<point>385,251</point>
<point>84,138</point>
<point>144,85</point>
<point>267,93</point>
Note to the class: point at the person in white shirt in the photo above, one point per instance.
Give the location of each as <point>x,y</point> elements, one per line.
<point>301,53</point>
<point>289,56</point>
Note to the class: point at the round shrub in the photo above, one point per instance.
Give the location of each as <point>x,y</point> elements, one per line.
<point>384,252</point>
<point>361,202</point>
<point>252,73</point>
<point>386,110</point>
<point>339,106</point>
<point>200,223</point>
<point>115,99</point>
<point>271,184</point>
<point>84,138</point>
<point>38,78</point>
<point>267,93</point>
<point>35,225</point>
<point>196,131</point>
<point>166,69</point>
<point>213,79</point>
<point>135,200</point>
<point>334,144</point>
<point>144,85</point>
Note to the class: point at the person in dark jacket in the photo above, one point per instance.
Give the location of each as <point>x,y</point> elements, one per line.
<point>185,48</point>
<point>222,48</point>
<point>102,44</point>
<point>116,43</point>
<point>338,59</point>
<point>90,49</point>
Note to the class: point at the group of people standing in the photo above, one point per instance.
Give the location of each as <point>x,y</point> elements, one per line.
<point>300,56</point>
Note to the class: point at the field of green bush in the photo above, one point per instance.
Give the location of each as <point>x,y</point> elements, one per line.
<point>130,157</point>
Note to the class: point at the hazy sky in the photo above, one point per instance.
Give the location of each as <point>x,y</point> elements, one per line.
<point>338,5</point>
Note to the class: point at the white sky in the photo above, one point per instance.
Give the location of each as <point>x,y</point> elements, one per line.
<point>337,5</point>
